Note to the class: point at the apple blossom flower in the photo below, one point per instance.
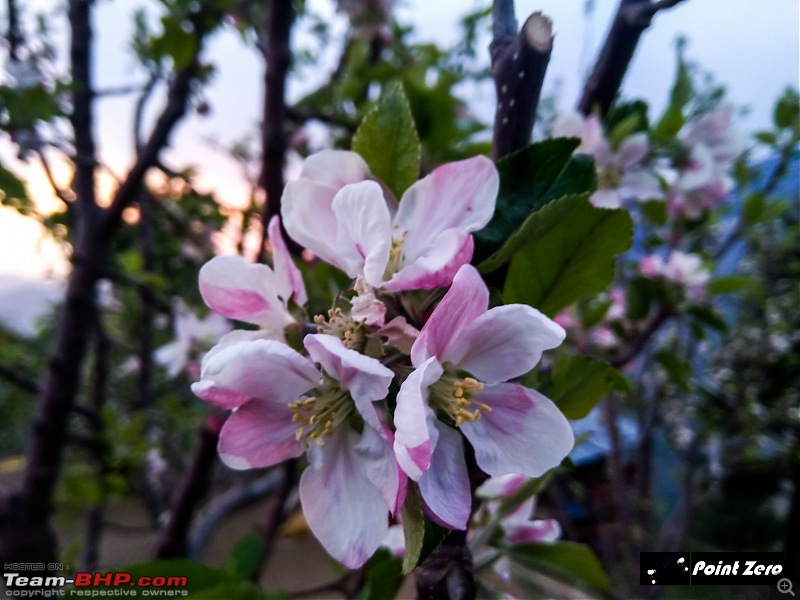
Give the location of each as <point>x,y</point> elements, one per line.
<point>285,405</point>
<point>192,334</point>
<point>621,174</point>
<point>463,357</point>
<point>682,268</point>
<point>712,145</point>
<point>517,525</point>
<point>338,212</point>
<point>254,293</point>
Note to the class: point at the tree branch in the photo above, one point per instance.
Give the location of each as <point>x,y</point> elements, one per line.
<point>641,340</point>
<point>61,193</point>
<point>274,141</point>
<point>13,35</point>
<point>631,19</point>
<point>223,505</point>
<point>519,63</point>
<point>21,380</point>
<point>193,487</point>
<point>279,514</point>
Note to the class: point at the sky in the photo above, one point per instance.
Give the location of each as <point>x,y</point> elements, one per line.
<point>752,48</point>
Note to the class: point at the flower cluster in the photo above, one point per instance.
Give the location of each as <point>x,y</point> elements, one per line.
<point>692,175</point>
<point>683,269</point>
<point>396,377</point>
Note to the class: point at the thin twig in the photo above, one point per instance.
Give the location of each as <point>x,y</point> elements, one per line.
<point>191,490</point>
<point>641,340</point>
<point>21,380</point>
<point>280,512</point>
<point>60,192</point>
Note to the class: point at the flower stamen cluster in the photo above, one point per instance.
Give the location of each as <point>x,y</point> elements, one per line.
<point>352,332</point>
<point>453,396</point>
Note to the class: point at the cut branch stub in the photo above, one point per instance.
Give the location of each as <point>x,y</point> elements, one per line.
<point>518,67</point>
<point>631,19</point>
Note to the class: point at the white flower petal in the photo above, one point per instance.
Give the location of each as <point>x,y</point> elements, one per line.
<point>445,485</point>
<point>341,505</point>
<point>505,342</point>
<point>523,433</point>
<point>363,231</point>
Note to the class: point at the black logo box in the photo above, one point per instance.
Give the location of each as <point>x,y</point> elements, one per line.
<point>712,568</point>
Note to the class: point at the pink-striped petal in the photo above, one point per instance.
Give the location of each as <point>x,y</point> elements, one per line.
<point>364,377</point>
<point>524,432</point>
<point>245,292</point>
<point>459,195</point>
<point>374,449</point>
<point>466,300</point>
<point>434,266</point>
<point>341,505</point>
<point>445,485</point>
<point>415,433</point>
<point>284,266</point>
<point>546,530</point>
<point>504,342</point>
<point>258,434</point>
<point>263,369</point>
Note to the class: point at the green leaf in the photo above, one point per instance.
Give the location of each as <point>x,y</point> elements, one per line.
<point>568,561</point>
<point>753,208</point>
<point>580,382</point>
<point>387,140</point>
<point>245,558</point>
<point>570,255</point>
<point>677,369</point>
<point>530,179</point>
<point>383,576</point>
<point>13,193</point>
<point>655,211</point>
<point>787,110</point>
<point>728,284</point>
<point>413,528</point>
<point>708,316</point>
<point>673,118</point>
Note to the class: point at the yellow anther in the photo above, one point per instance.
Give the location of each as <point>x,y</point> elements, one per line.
<point>485,407</point>
<point>299,433</point>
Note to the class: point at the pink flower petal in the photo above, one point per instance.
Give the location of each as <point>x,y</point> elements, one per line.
<point>458,195</point>
<point>258,434</point>
<point>245,292</point>
<point>415,433</point>
<point>375,451</point>
<point>307,214</point>
<point>445,485</point>
<point>284,266</point>
<point>505,342</point>
<point>524,432</point>
<point>632,151</point>
<point>364,230</point>
<point>364,377</point>
<point>466,299</point>
<point>436,265</point>
<point>547,530</point>
<point>263,369</point>
<point>342,507</point>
